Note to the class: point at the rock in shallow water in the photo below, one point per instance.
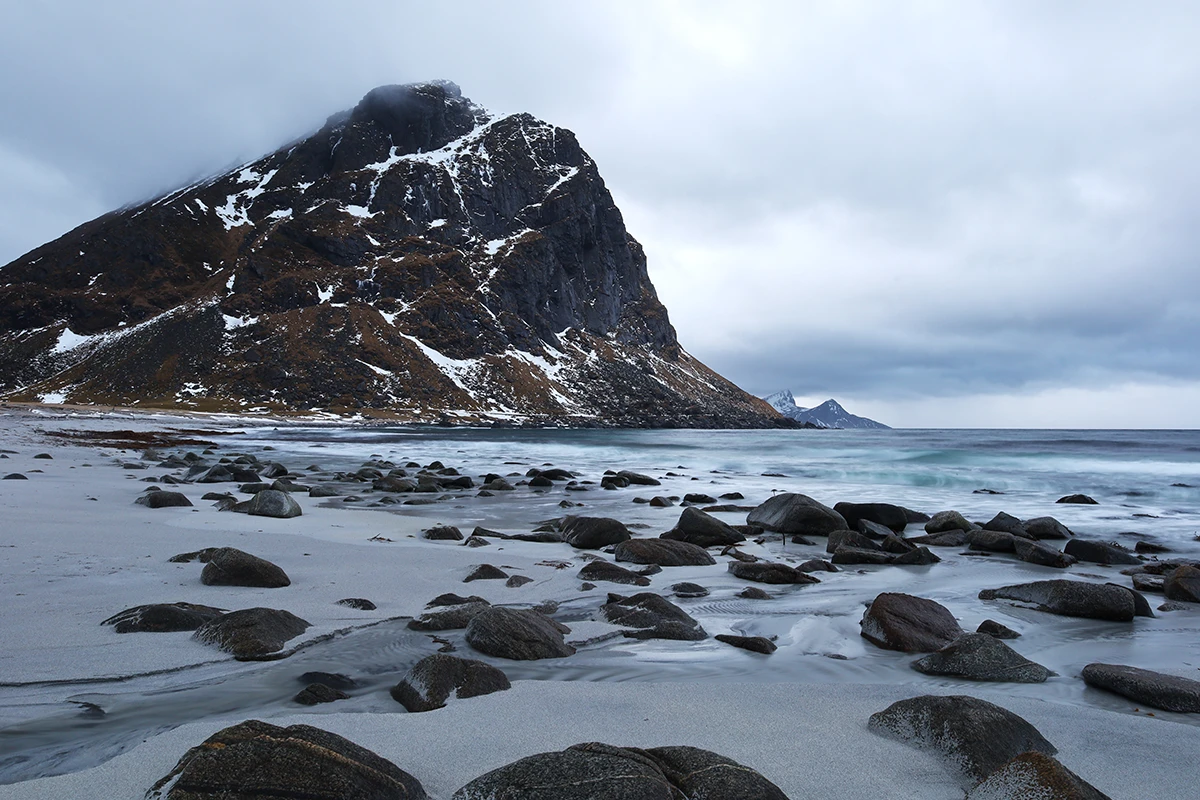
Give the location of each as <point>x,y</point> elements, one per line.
<point>1168,692</point>
<point>663,552</point>
<point>254,759</point>
<point>612,573</point>
<point>796,513</point>
<point>596,771</point>
<point>703,530</point>
<point>518,634</point>
<point>651,617</point>
<point>162,618</point>
<point>896,621</point>
<point>974,737</point>
<point>592,533</point>
<point>1072,598</point>
<point>252,632</point>
<point>432,680</point>
<point>980,657</point>
<point>769,572</point>
<point>1183,583</point>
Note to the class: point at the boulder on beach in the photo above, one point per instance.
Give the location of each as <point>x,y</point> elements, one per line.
<point>254,759</point>
<point>1072,598</point>
<point>951,538</point>
<point>444,533</point>
<point>638,479</point>
<point>162,618</point>
<point>596,771</point>
<point>757,644</point>
<point>592,533</point>
<point>663,552</point>
<point>688,589</point>
<point>251,632</point>
<point>273,503</point>
<point>796,513</point>
<point>1100,552</point>
<point>703,530</point>
<point>850,538</point>
<point>980,657</point>
<point>769,572</point>
<point>993,628</point>
<point>486,572</point>
<point>845,554</point>
<point>944,521</point>
<point>228,566</point>
<point>992,541</point>
<point>651,616</point>
<point>433,679</point>
<point>612,573</point>
<point>1034,775</point>
<point>894,518</point>
<point>318,693</point>
<point>1047,528</point>
<point>1182,583</point>
<point>896,621</point>
<point>449,618</point>
<point>163,499</point>
<point>359,603</point>
<point>1077,499</point>
<point>517,634</point>
<point>974,737</point>
<point>1035,552</point>
<point>1006,523</point>
<point>1156,689</point>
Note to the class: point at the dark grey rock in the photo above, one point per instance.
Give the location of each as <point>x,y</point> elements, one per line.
<point>687,589</point>
<point>753,593</point>
<point>846,554</point>
<point>596,771</point>
<point>1034,775</point>
<point>660,502</point>
<point>974,737</point>
<point>1077,499</point>
<point>1168,692</point>
<point>253,760</point>
<point>444,533</point>
<point>638,479</point>
<point>162,618</point>
<point>486,572</point>
<point>1183,583</point>
<point>817,565</point>
<point>15,476</point>
<point>163,499</point>
<point>1099,552</point>
<point>273,503</point>
<point>452,599</point>
<point>228,566</point>
<point>1047,528</point>
<point>953,538</point>
<point>1150,548</point>
<point>449,618</point>
<point>360,603</point>
<point>663,552</point>
<point>699,498</point>
<point>993,628</point>
<point>889,516</point>
<point>517,634</point>
<point>612,573</point>
<point>592,533</point>
<point>1034,552</point>
<point>1071,598</point>
<point>944,521</point>
<point>895,544</point>
<point>317,693</point>
<point>1006,523</point>
<point>850,539</point>
<point>796,513</point>
<point>758,644</point>
<point>769,572</point>
<point>896,621</point>
<point>433,679</point>
<point>251,632</point>
<point>652,617</point>
<point>980,657</point>
<point>873,530</point>
<point>517,581</point>
<point>1149,583</point>
<point>993,541</point>
<point>324,491</point>
<point>921,557</point>
<point>701,529</point>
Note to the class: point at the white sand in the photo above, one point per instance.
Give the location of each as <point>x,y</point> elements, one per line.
<point>69,561</point>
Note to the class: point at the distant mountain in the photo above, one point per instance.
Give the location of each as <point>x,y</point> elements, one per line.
<point>416,258</point>
<point>829,414</point>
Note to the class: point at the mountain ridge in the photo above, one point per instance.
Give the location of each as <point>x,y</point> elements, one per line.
<point>415,257</point>
<point>829,414</point>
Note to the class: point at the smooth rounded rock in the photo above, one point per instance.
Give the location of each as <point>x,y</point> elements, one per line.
<point>517,634</point>
<point>796,513</point>
<point>433,679</point>
<point>896,621</point>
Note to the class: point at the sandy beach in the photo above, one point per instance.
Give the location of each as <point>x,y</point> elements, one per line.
<point>77,550</point>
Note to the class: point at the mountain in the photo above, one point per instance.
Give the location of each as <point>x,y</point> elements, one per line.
<point>417,258</point>
<point>829,414</point>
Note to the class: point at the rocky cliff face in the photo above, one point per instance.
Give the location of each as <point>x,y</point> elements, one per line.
<point>415,257</point>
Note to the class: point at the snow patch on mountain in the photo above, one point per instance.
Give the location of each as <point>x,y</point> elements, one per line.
<point>829,414</point>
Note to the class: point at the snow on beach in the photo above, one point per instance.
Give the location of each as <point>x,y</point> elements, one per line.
<point>76,550</point>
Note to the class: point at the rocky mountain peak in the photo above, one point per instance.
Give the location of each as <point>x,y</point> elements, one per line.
<point>415,256</point>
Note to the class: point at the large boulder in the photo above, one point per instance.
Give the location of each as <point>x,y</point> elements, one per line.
<point>769,572</point>
<point>251,632</point>
<point>228,566</point>
<point>1034,552</point>
<point>1100,552</point>
<point>980,657</point>
<point>974,737</point>
<point>1006,523</point>
<point>449,618</point>
<point>796,513</point>
<point>162,618</point>
<point>638,479</point>
<point>163,499</point>
<point>993,541</point>
<point>273,503</point>
<point>944,521</point>
<point>1168,692</point>
<point>607,571</point>
<point>1034,775</point>
<point>850,538</point>
<point>704,530</point>
<point>651,616</point>
<point>1183,583</point>
<point>885,514</point>
<point>254,760</point>
<point>517,634</point>
<point>433,679</point>
<point>592,533</point>
<point>663,552</point>
<point>1047,528</point>
<point>1072,598</point>
<point>596,771</point>
<point>896,621</point>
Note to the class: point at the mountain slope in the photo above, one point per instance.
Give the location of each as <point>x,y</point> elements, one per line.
<point>829,414</point>
<point>416,256</point>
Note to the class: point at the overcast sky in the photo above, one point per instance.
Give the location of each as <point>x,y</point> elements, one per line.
<point>941,213</point>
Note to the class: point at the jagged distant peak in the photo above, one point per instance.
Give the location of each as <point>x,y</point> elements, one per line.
<point>829,414</point>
